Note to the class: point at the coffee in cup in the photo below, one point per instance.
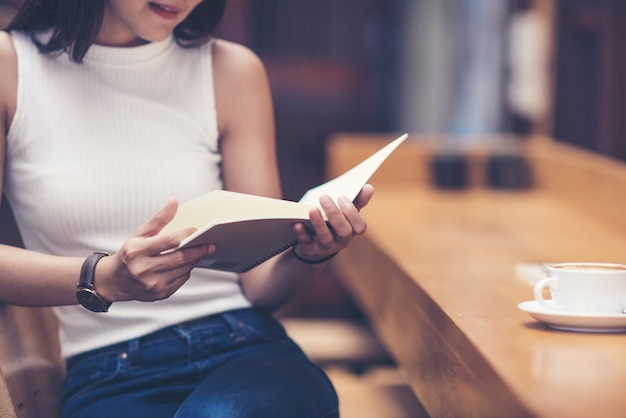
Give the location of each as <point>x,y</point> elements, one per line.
<point>587,288</point>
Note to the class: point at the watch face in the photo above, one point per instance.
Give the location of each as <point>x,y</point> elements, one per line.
<point>90,300</point>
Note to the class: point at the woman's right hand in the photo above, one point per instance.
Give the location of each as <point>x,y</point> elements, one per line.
<point>139,270</point>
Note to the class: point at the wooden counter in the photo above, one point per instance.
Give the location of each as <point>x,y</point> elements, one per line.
<point>435,274</point>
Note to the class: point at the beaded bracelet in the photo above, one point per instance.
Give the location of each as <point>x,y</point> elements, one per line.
<point>305,261</point>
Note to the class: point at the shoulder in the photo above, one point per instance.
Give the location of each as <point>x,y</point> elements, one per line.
<point>8,76</point>
<point>235,64</point>
<point>240,83</point>
<point>8,57</point>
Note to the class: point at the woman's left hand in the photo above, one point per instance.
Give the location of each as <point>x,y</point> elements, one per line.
<point>344,223</point>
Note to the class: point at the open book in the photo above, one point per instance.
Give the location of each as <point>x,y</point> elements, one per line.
<point>248,230</point>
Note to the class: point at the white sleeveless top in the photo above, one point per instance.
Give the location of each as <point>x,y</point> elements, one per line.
<point>95,150</point>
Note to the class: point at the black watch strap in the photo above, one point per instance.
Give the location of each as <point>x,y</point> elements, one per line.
<point>86,293</point>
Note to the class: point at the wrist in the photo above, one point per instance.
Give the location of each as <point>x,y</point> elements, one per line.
<point>100,282</point>
<point>311,262</point>
<point>86,292</point>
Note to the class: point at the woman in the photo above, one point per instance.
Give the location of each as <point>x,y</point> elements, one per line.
<point>110,108</point>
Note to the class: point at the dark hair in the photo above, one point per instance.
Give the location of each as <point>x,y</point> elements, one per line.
<point>75,24</point>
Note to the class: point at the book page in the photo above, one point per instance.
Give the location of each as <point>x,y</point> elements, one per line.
<point>350,183</point>
<point>221,206</point>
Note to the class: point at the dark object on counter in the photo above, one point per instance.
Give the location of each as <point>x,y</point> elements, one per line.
<point>508,171</point>
<point>449,171</point>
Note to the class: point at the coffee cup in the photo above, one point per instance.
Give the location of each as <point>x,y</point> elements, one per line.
<point>588,288</point>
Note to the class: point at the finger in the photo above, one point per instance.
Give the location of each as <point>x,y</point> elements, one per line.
<point>138,247</point>
<point>322,233</point>
<point>143,257</point>
<point>159,220</point>
<point>187,257</point>
<point>364,196</point>
<point>341,227</point>
<point>185,261</point>
<point>162,275</point>
<point>303,236</point>
<point>352,215</point>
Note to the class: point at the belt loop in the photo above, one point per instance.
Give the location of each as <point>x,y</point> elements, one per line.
<point>232,321</point>
<point>237,326</point>
<point>134,352</point>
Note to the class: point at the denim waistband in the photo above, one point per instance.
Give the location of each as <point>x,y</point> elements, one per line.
<point>231,321</point>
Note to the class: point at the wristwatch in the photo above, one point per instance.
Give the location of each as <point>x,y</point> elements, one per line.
<point>86,293</point>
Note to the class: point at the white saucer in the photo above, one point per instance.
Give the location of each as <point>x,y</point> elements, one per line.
<point>574,321</point>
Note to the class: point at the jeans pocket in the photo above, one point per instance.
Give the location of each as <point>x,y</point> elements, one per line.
<point>88,374</point>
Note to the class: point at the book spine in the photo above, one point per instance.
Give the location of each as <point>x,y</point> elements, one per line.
<point>270,255</point>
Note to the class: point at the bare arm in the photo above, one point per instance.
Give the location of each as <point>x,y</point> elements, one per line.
<point>247,137</point>
<point>26,277</point>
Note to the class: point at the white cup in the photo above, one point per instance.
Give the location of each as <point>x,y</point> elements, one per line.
<point>589,288</point>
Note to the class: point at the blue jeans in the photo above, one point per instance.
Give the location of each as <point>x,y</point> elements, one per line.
<point>234,364</point>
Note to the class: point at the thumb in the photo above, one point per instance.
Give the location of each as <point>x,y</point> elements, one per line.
<point>159,220</point>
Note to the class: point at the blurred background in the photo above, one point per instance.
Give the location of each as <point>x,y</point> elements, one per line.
<point>461,69</point>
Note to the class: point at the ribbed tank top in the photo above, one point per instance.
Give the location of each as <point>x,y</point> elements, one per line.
<point>95,150</point>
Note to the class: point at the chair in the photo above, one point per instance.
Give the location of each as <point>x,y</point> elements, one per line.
<point>31,369</point>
